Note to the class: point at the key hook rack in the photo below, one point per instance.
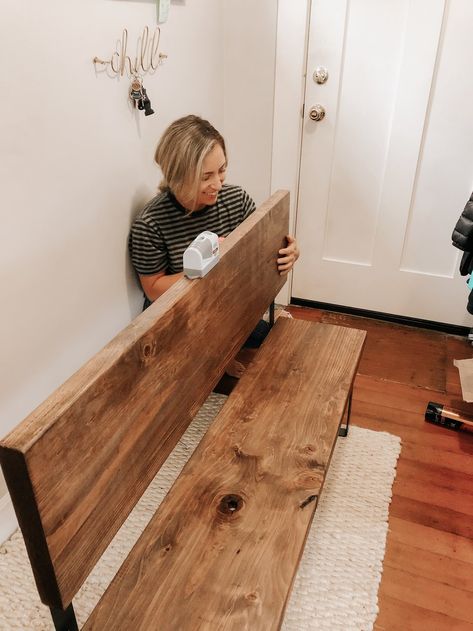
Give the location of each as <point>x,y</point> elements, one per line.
<point>147,61</point>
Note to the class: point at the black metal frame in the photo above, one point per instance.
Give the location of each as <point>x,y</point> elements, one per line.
<point>64,619</point>
<point>271,314</point>
<point>343,431</point>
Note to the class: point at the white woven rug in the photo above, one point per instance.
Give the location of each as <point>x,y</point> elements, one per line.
<point>337,583</point>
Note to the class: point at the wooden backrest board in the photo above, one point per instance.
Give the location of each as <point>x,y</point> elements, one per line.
<point>77,465</point>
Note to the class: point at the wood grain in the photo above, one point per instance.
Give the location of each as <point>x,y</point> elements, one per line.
<point>435,595</point>
<point>455,573</point>
<point>398,615</point>
<point>198,566</point>
<point>88,453</point>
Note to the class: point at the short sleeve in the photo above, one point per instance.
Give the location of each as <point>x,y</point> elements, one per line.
<point>147,249</point>
<point>248,205</point>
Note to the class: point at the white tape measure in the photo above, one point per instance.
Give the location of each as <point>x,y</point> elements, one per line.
<point>201,255</point>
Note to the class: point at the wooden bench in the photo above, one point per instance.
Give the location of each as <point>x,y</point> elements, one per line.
<point>222,550</point>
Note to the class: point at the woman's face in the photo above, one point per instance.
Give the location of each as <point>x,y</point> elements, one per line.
<point>212,178</point>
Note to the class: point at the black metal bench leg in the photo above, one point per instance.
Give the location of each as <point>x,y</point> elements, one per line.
<point>343,431</point>
<point>64,620</point>
<point>271,314</point>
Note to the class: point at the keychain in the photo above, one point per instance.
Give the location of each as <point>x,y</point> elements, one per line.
<point>139,96</point>
<point>136,91</point>
<point>146,104</point>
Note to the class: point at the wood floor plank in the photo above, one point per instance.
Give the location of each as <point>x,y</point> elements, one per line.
<point>425,454</point>
<point>409,415</point>
<point>432,474</point>
<point>397,615</point>
<point>443,488</point>
<point>439,499</point>
<point>430,436</point>
<point>434,540</point>
<point>386,355</point>
<point>427,593</point>
<point>399,396</point>
<point>302,313</point>
<point>429,514</point>
<point>428,564</point>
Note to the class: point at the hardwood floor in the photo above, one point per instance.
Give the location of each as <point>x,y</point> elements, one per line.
<point>427,582</point>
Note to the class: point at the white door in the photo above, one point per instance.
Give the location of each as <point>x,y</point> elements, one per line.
<point>386,173</point>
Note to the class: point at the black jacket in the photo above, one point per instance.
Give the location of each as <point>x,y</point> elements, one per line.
<point>462,237</point>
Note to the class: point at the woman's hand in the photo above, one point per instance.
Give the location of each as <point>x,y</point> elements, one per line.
<point>288,256</point>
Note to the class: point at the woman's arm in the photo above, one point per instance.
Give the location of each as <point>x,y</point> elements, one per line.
<point>156,284</point>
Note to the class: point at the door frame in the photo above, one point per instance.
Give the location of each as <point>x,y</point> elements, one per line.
<point>292,38</point>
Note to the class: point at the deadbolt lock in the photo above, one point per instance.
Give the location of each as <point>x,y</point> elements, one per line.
<point>320,75</point>
<point>317,112</point>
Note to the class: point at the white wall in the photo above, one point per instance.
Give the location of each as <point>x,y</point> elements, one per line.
<point>76,166</point>
<point>250,56</point>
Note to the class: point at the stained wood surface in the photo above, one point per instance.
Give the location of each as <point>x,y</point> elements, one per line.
<point>78,464</point>
<point>202,566</point>
<point>428,566</point>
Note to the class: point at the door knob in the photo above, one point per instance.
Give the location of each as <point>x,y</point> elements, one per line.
<point>317,112</point>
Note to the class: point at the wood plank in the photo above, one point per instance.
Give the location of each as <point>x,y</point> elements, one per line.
<point>430,594</point>
<point>302,313</point>
<point>434,540</point>
<point>400,409</point>
<point>400,397</point>
<point>93,447</point>
<point>428,565</point>
<point>428,514</point>
<point>455,487</point>
<point>448,459</point>
<point>397,615</point>
<point>431,436</point>
<point>201,565</point>
<point>386,354</point>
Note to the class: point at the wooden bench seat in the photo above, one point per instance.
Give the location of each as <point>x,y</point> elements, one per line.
<point>77,466</point>
<point>222,550</point>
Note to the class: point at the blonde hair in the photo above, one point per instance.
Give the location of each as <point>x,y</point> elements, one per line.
<point>181,152</point>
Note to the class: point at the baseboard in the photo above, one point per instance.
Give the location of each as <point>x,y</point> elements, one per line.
<point>444,327</point>
<point>8,522</point>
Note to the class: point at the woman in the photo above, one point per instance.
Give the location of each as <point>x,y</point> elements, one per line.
<point>192,198</point>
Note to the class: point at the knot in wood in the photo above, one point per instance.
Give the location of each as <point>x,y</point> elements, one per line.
<point>230,504</point>
<point>147,350</point>
<point>312,463</point>
<point>252,596</point>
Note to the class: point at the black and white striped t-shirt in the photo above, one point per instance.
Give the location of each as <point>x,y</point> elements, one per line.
<point>164,229</point>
